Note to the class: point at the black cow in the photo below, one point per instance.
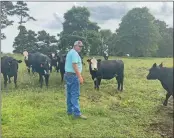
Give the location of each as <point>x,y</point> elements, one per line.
<point>9,68</point>
<point>106,69</point>
<point>28,63</point>
<point>54,61</point>
<point>165,76</point>
<point>61,60</point>
<point>41,63</point>
<point>105,55</point>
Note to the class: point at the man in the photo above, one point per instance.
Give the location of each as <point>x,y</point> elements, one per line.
<point>73,79</point>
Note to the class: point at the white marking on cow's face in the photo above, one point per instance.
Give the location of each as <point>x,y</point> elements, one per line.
<point>49,65</point>
<point>53,55</point>
<point>94,64</point>
<point>25,53</point>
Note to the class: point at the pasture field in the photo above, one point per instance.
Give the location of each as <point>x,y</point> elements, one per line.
<point>137,112</point>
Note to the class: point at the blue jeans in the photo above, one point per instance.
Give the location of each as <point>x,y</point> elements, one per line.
<point>72,94</point>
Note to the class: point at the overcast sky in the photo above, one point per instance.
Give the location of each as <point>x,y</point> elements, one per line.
<point>107,14</point>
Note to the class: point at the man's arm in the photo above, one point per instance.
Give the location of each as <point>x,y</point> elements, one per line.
<point>75,67</point>
<point>76,70</point>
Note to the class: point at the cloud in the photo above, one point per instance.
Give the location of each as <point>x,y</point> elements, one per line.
<point>103,12</point>
<point>107,14</point>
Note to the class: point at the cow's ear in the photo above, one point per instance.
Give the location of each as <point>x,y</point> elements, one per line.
<point>19,61</point>
<point>154,65</point>
<point>161,65</point>
<point>99,60</point>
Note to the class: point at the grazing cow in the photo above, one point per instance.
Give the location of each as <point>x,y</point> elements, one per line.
<point>54,61</point>
<point>165,76</point>
<point>106,69</point>
<point>9,68</point>
<point>61,60</point>
<point>41,64</point>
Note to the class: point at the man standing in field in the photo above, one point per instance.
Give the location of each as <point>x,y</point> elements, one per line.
<point>73,79</point>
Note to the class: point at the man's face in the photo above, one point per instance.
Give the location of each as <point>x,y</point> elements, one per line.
<point>78,48</point>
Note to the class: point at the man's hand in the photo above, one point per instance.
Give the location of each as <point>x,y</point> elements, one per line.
<point>78,73</point>
<point>81,80</point>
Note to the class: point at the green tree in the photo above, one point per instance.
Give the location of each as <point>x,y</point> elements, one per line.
<point>21,11</point>
<point>20,41</point>
<point>6,11</point>
<point>50,43</point>
<point>166,42</point>
<point>137,33</point>
<point>106,35</point>
<point>77,26</point>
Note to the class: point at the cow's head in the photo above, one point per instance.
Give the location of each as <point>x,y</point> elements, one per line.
<point>13,66</point>
<point>53,56</point>
<point>25,53</point>
<point>62,58</point>
<point>45,66</point>
<point>93,63</point>
<point>154,72</point>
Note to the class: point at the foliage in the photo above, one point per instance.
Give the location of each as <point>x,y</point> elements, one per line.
<point>137,33</point>
<point>6,10</point>
<point>166,42</point>
<point>21,10</point>
<point>77,26</point>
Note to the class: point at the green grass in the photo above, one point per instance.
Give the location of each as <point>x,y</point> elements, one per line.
<point>137,112</point>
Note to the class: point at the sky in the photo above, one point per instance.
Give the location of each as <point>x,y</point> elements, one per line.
<point>108,15</point>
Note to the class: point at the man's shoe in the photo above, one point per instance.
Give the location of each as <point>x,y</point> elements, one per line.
<point>80,117</point>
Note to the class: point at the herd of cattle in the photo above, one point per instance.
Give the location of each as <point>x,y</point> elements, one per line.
<point>99,69</point>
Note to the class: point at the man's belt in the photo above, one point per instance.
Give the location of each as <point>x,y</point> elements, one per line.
<point>70,73</point>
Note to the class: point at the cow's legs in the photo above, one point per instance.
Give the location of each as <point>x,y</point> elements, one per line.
<point>98,81</point>
<point>33,70</point>
<point>9,79</point>
<point>41,80</point>
<point>118,81</point>
<point>51,68</point>
<point>15,80</point>
<point>94,79</point>
<point>62,75</point>
<point>58,67</point>
<point>121,81</point>
<point>28,68</point>
<point>46,79</point>
<point>5,80</point>
<point>166,100</point>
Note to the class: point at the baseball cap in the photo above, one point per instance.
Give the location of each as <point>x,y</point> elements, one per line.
<point>78,43</point>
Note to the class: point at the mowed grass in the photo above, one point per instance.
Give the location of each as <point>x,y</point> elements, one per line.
<point>137,112</point>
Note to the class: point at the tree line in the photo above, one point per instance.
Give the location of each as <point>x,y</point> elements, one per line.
<point>139,34</point>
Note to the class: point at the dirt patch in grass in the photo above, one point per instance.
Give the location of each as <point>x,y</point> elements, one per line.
<point>162,128</point>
